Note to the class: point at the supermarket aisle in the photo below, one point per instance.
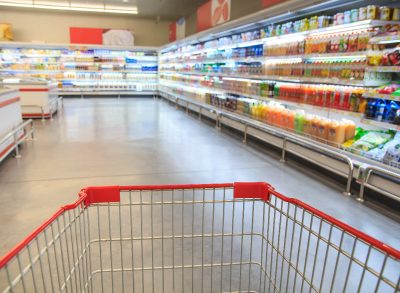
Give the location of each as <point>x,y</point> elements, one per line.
<point>146,141</point>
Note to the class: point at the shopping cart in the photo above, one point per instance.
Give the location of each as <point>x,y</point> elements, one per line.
<point>234,237</point>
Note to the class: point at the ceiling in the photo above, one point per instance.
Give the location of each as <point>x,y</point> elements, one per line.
<point>166,9</point>
<point>157,9</point>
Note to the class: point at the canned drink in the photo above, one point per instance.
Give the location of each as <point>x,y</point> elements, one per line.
<point>384,13</point>
<point>347,16</point>
<point>354,15</point>
<point>362,13</point>
<point>372,12</point>
<point>396,14</point>
<point>339,18</point>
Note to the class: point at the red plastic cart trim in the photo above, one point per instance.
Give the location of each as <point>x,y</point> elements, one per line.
<point>252,190</point>
<point>33,90</point>
<point>91,195</point>
<point>9,102</point>
<point>35,115</point>
<point>101,194</point>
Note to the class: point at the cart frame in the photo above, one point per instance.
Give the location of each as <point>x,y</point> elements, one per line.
<point>283,243</point>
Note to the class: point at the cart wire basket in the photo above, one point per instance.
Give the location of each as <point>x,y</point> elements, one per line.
<point>231,237</point>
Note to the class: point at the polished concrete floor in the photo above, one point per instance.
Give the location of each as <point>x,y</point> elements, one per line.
<point>147,141</point>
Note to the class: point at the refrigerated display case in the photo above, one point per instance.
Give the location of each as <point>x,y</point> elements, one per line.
<point>38,98</point>
<point>328,81</point>
<point>80,69</point>
<point>10,119</point>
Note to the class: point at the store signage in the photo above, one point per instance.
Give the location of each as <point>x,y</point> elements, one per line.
<point>212,13</point>
<point>269,3</point>
<point>101,36</point>
<point>177,29</point>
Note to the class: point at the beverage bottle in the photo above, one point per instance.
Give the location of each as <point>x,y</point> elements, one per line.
<point>315,121</point>
<point>323,130</point>
<point>307,128</point>
<point>362,106</point>
<point>336,133</point>
<point>380,110</point>
<point>290,121</point>
<point>393,109</point>
<point>350,129</point>
<point>276,90</point>
<point>299,121</point>
<point>371,108</point>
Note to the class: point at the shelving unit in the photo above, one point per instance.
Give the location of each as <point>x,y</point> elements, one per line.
<point>106,70</point>
<point>194,74</point>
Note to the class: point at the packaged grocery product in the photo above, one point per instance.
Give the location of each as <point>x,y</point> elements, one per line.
<point>362,13</point>
<point>372,12</point>
<point>392,154</point>
<point>299,121</point>
<point>385,13</point>
<point>354,15</point>
<point>381,109</point>
<point>396,14</point>
<point>347,17</point>
<point>307,128</point>
<point>322,125</point>
<point>372,139</point>
<point>392,109</point>
<point>336,132</point>
<point>350,129</point>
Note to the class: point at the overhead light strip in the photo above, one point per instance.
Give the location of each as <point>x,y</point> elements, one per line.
<point>133,10</point>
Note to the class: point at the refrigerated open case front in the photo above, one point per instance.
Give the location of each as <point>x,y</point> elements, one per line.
<point>84,69</point>
<point>324,86</point>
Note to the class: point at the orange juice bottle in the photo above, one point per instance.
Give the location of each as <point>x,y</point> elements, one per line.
<point>315,121</point>
<point>284,118</point>
<point>290,120</point>
<point>350,129</point>
<point>307,124</point>
<point>276,114</point>
<point>323,129</point>
<point>336,133</point>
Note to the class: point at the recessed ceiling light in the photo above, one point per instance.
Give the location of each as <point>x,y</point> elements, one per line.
<point>125,1</point>
<point>70,7</point>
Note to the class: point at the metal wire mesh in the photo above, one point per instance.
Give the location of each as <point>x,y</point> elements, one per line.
<point>197,240</point>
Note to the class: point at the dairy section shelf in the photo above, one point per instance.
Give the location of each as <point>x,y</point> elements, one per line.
<point>77,67</point>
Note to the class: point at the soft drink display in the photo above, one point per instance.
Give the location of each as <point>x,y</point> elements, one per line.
<point>325,130</point>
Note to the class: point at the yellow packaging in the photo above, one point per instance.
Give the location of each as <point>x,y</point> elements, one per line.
<point>6,32</point>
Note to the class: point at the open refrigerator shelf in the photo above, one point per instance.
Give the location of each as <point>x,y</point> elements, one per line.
<point>99,66</point>
<point>202,63</point>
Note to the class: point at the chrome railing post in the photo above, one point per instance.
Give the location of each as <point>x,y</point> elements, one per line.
<point>283,157</point>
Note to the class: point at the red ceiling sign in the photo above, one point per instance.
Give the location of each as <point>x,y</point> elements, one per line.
<point>204,17</point>
<point>213,13</point>
<point>81,35</point>
<point>269,3</point>
<point>172,31</point>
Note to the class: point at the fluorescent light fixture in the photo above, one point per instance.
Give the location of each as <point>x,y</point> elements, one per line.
<point>71,7</point>
<point>283,60</point>
<point>390,41</point>
<point>289,38</point>
<point>338,57</point>
<point>349,27</point>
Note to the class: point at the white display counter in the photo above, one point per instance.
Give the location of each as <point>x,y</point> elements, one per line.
<point>10,119</point>
<point>38,97</point>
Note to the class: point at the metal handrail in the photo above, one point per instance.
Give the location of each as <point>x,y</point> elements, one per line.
<point>367,172</point>
<point>17,140</point>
